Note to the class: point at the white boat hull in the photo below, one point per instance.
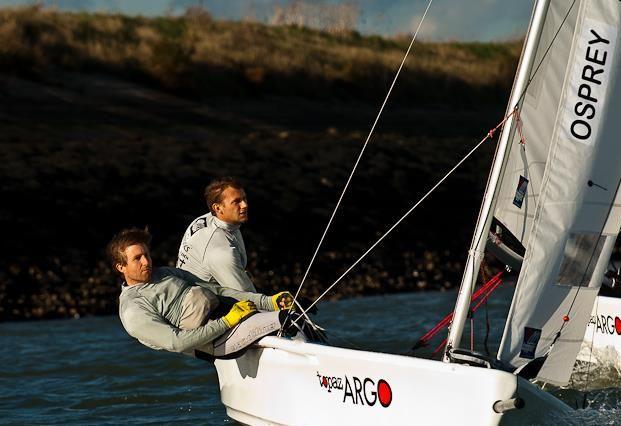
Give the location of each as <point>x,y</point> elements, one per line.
<point>296,383</point>
<point>603,334</point>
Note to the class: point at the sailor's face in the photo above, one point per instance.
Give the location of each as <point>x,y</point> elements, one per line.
<point>137,269</point>
<point>233,208</point>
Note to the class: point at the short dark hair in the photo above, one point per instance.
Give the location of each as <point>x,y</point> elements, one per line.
<point>122,240</point>
<point>213,191</point>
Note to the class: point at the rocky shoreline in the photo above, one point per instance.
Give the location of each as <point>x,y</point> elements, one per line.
<point>85,155</point>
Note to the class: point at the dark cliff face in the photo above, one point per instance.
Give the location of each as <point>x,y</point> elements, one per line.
<point>88,148</point>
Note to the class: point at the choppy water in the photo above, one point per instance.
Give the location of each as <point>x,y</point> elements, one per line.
<point>89,371</point>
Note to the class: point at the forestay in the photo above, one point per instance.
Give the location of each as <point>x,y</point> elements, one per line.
<point>559,194</point>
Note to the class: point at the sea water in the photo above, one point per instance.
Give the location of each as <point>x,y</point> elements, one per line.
<point>89,371</point>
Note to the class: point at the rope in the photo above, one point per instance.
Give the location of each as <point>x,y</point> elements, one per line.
<point>495,283</point>
<point>483,274</point>
<point>519,125</point>
<point>487,329</point>
<point>489,285</point>
<point>394,81</point>
<point>423,198</point>
<point>517,106</point>
<point>489,135</point>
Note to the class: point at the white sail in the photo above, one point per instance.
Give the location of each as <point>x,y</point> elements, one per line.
<point>484,221</point>
<point>521,183</point>
<point>573,211</point>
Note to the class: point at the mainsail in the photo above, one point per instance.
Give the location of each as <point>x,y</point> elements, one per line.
<point>560,191</point>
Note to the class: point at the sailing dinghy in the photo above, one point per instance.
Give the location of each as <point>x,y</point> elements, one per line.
<point>552,196</point>
<point>602,339</point>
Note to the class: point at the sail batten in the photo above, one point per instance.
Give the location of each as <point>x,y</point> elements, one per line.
<point>561,197</point>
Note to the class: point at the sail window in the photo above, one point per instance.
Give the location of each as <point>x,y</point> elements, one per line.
<point>581,254</point>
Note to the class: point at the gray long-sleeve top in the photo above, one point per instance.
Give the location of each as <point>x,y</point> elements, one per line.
<point>151,311</point>
<point>214,251</point>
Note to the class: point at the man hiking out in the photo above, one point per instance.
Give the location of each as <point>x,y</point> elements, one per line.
<point>170,309</point>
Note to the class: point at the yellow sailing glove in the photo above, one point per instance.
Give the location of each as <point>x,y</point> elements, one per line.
<point>282,300</point>
<point>238,312</point>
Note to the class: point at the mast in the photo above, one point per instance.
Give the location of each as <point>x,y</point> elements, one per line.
<point>476,252</point>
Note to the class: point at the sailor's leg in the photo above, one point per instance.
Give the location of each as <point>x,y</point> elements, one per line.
<point>232,343</point>
<point>197,304</point>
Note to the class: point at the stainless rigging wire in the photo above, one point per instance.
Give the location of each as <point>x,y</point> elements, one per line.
<point>488,136</point>
<point>394,81</point>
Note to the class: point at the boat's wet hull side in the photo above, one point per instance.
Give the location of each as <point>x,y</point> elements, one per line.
<point>297,383</point>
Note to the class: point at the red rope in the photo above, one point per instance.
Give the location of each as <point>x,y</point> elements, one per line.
<point>489,293</point>
<point>518,121</point>
<point>492,284</point>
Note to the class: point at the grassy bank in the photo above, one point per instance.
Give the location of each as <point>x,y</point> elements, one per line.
<point>110,121</point>
<point>198,56</point>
